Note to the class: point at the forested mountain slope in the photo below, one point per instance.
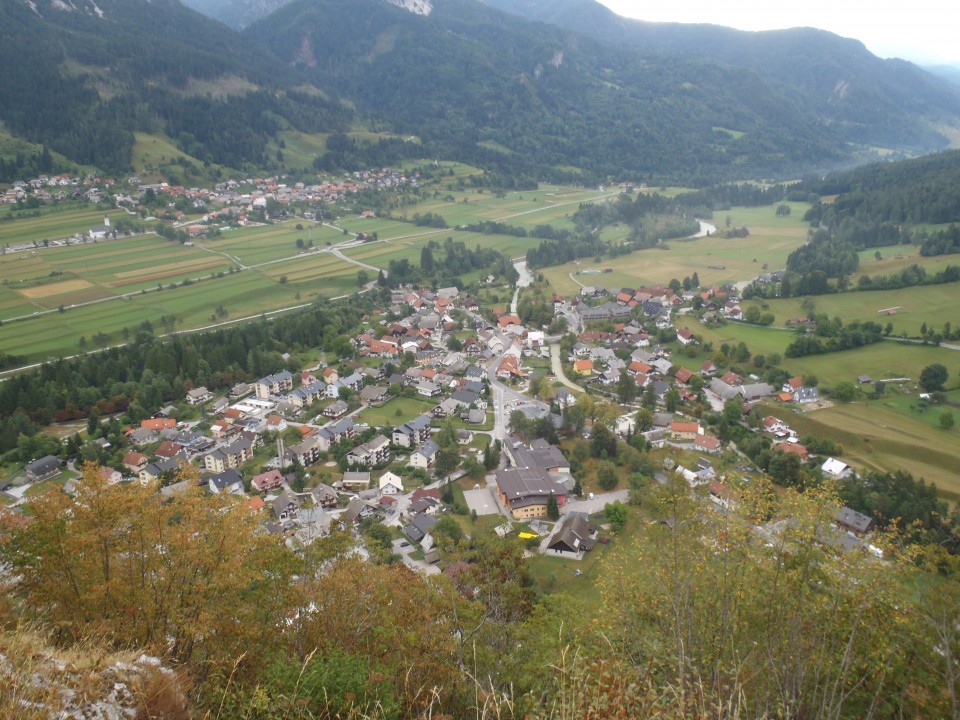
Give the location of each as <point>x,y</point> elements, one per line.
<point>480,85</point>
<point>529,99</point>
<point>88,75</point>
<point>923,190</point>
<point>863,98</point>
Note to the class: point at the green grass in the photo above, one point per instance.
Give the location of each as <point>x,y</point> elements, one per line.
<point>266,243</point>
<point>897,258</point>
<point>396,411</point>
<point>771,240</point>
<point>247,293</point>
<point>886,435</point>
<point>42,280</point>
<point>888,359</point>
<point>155,159</point>
<point>56,221</point>
<point>930,304</point>
<point>552,574</point>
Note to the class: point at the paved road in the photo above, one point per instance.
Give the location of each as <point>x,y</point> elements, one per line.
<point>556,364</point>
<point>525,280</point>
<point>505,400</point>
<point>596,505</point>
<point>419,566</point>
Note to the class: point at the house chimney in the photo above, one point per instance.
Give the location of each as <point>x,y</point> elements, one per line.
<point>106,221</point>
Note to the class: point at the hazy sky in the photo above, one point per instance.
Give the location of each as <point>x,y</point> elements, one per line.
<point>923,31</point>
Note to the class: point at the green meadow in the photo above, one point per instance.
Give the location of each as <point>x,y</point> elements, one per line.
<point>907,309</point>
<point>884,360</point>
<point>54,223</point>
<point>244,272</point>
<point>715,259</point>
<point>885,435</point>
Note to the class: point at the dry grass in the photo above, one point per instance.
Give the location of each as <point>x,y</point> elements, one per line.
<point>38,679</point>
<point>67,286</point>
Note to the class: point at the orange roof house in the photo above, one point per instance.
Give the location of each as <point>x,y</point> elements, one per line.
<point>158,424</point>
<point>584,367</point>
<point>795,383</point>
<point>707,443</point>
<point>794,448</point>
<point>683,376</point>
<point>685,430</point>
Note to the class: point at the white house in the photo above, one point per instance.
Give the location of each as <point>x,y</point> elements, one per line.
<point>390,484</point>
<point>836,469</point>
<point>424,456</point>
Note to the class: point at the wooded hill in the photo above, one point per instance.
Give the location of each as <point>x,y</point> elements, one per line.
<point>877,206</point>
<point>85,80</point>
<point>495,89</point>
<point>523,98</point>
<point>858,96</point>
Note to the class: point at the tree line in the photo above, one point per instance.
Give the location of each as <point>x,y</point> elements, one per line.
<point>149,372</point>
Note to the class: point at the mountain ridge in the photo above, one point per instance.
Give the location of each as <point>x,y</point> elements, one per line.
<point>524,97</point>
<point>836,76</point>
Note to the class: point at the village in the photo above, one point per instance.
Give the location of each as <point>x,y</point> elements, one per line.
<point>445,412</point>
<point>231,203</point>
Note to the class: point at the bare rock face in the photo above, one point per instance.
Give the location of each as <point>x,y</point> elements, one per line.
<point>417,7</point>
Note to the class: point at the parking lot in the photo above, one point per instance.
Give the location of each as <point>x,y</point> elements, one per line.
<point>482,500</point>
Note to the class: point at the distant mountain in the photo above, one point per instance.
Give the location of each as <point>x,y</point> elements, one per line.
<point>89,73</point>
<point>863,98</point>
<point>950,73</point>
<point>236,14</point>
<point>478,84</point>
<point>526,99</point>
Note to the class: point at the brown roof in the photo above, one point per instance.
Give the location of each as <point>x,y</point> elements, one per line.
<point>707,441</point>
<point>794,448</point>
<point>158,424</point>
<point>134,458</point>
<point>168,449</point>
<point>683,375</point>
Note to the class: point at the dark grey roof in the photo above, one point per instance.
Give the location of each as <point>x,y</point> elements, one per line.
<point>420,527</point>
<point>662,419</point>
<point>573,534</point>
<point>428,448</point>
<point>854,520</point>
<point>280,377</point>
<point>422,505</point>
<point>474,372</point>
<point>44,466</point>
<point>465,397</point>
<point>525,486</point>
<point>756,390</point>
<point>225,479</point>
<point>284,501</point>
